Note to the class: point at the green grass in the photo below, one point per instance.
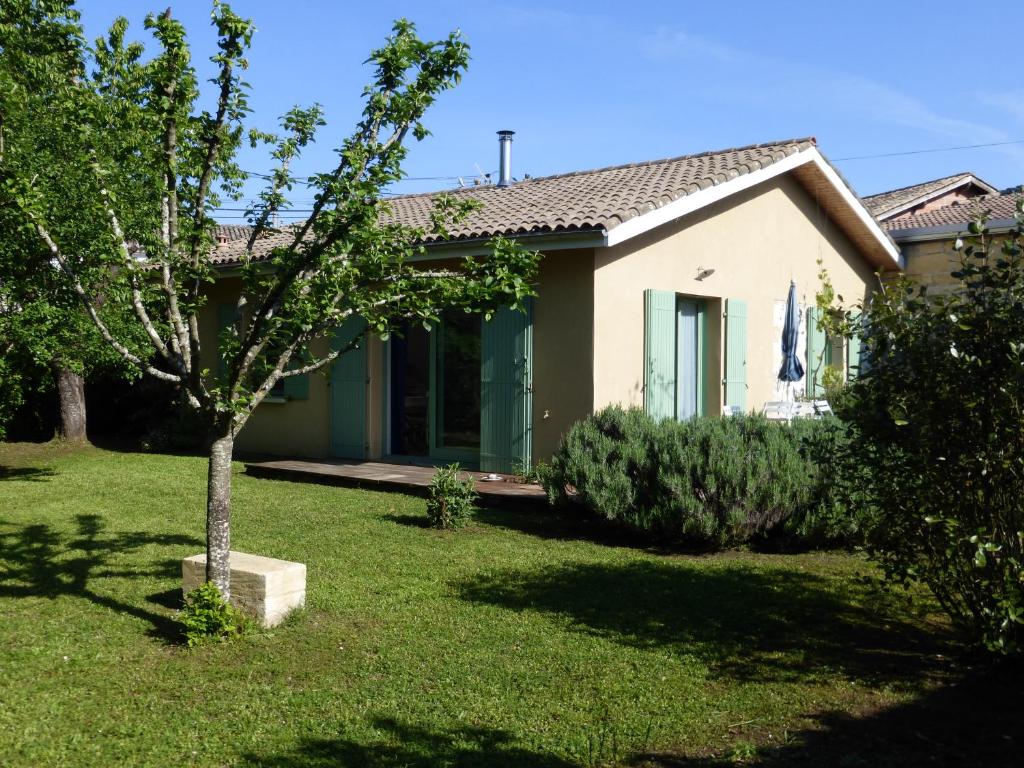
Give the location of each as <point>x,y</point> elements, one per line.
<point>521,640</point>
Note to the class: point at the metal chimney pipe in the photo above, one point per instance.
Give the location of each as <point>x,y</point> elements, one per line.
<point>505,158</point>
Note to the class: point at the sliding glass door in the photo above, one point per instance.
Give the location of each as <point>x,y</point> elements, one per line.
<point>434,391</point>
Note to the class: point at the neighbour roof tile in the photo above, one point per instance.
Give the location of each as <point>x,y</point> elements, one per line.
<point>600,199</point>
<point>230,232</point>
<point>886,202</point>
<point>999,206</point>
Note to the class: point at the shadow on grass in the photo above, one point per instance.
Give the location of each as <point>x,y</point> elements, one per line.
<point>413,521</point>
<point>744,623</point>
<point>36,561</point>
<point>567,525</point>
<point>36,474</point>
<point>412,746</point>
<point>976,722</point>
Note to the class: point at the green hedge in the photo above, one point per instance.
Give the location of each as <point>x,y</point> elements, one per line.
<point>707,481</point>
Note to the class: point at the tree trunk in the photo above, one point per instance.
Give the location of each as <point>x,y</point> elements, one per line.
<point>218,515</point>
<point>71,390</point>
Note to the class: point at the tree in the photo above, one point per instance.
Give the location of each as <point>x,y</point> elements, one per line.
<point>153,164</point>
<point>935,420</point>
<point>48,337</point>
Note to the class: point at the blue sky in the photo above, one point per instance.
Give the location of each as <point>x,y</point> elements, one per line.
<point>590,84</point>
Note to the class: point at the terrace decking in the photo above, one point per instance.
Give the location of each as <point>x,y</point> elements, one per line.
<point>505,493</point>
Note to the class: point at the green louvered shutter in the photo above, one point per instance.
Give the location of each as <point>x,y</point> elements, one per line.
<point>853,353</point>
<point>660,353</point>
<point>506,386</point>
<point>348,393</point>
<point>735,380</point>
<point>297,387</point>
<point>225,317</point>
<point>817,357</point>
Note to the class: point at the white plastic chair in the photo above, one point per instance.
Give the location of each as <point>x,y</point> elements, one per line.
<point>778,410</point>
<point>822,408</point>
<point>804,410</point>
<point>732,410</point>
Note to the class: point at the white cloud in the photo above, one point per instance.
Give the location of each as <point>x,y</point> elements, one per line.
<point>1011,102</point>
<point>666,45</point>
<point>840,92</point>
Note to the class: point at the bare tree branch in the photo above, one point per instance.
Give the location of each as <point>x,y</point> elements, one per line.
<point>90,307</point>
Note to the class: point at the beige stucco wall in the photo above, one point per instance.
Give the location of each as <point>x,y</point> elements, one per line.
<point>294,428</point>
<point>756,241</point>
<point>563,347</point>
<point>562,370</point>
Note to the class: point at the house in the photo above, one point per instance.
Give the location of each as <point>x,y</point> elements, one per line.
<point>921,198</point>
<point>924,220</point>
<point>662,285</point>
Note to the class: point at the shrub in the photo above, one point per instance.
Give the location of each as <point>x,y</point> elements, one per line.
<point>837,514</point>
<point>450,501</point>
<point>207,616</point>
<point>937,422</point>
<point>709,481</point>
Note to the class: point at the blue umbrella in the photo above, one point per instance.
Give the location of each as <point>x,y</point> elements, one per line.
<point>791,369</point>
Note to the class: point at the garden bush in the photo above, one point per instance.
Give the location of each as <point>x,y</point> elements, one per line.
<point>708,481</point>
<point>936,422</point>
<point>450,499</point>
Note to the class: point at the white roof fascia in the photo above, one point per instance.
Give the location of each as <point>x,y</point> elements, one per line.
<point>697,200</point>
<point>858,207</point>
<point>968,179</point>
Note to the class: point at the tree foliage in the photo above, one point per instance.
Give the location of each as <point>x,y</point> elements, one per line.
<point>936,420</point>
<point>144,166</point>
<point>42,322</point>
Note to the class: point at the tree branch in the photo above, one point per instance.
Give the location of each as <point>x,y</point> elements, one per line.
<point>90,307</point>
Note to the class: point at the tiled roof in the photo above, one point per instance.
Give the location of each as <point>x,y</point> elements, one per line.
<point>573,202</point>
<point>232,232</point>
<point>887,202</point>
<point>598,199</point>
<point>998,206</point>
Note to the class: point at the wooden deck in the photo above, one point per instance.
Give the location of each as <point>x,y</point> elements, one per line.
<point>409,478</point>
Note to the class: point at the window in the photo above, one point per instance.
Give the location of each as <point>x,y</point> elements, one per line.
<point>674,355</point>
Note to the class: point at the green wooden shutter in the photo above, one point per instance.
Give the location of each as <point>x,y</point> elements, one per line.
<point>735,380</point>
<point>225,317</point>
<point>853,353</point>
<point>506,387</point>
<point>297,387</point>
<point>660,353</point>
<point>348,393</point>
<point>816,354</point>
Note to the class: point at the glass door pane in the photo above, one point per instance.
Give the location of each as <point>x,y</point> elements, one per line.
<point>686,359</point>
<point>457,422</point>
<point>410,392</point>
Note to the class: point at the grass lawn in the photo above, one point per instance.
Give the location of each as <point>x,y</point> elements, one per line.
<point>520,641</point>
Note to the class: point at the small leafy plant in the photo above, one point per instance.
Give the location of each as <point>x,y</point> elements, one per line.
<point>451,499</point>
<point>527,473</point>
<point>207,616</point>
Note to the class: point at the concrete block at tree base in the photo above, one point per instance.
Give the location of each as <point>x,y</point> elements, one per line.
<point>262,587</point>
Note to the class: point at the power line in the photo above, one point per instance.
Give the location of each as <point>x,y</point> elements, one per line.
<point>404,178</point>
<point>927,151</point>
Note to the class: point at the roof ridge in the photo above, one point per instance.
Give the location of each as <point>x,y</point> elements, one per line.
<point>638,164</point>
<point>924,184</point>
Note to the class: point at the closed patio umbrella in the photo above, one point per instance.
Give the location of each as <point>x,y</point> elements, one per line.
<point>792,369</point>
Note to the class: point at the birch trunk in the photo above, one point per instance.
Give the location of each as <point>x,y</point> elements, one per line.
<point>71,391</point>
<point>218,514</point>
